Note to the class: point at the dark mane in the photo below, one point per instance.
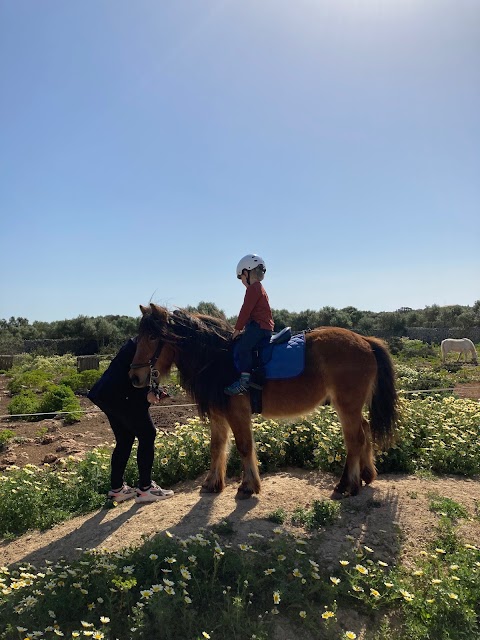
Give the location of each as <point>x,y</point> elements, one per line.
<point>203,352</point>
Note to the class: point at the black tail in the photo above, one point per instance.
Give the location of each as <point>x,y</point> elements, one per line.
<point>383,407</point>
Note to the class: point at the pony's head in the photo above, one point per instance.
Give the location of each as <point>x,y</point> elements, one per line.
<point>199,345</point>
<point>155,351</point>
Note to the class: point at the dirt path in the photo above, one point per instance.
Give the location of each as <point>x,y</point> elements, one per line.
<point>392,517</point>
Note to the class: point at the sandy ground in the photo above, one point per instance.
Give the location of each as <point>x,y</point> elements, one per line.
<point>392,516</point>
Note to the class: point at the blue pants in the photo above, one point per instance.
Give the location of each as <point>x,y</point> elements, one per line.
<point>248,340</point>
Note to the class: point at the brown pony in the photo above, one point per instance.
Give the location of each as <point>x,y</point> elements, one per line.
<point>341,367</point>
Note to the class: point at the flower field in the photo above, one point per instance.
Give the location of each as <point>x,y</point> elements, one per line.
<point>211,584</point>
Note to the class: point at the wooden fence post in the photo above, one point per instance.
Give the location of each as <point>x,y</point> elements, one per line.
<point>87,362</point>
<point>6,362</point>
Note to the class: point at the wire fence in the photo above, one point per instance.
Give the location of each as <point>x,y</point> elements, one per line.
<point>92,410</point>
<point>178,406</point>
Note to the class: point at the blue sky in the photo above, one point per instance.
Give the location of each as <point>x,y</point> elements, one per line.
<point>146,146</point>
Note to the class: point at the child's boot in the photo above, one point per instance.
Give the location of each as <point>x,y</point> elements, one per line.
<point>239,386</point>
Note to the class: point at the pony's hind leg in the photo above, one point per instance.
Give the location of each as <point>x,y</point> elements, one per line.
<point>368,472</point>
<point>359,463</point>
<point>239,418</point>
<point>219,430</point>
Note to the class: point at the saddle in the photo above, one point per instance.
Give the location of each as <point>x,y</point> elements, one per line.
<point>279,358</point>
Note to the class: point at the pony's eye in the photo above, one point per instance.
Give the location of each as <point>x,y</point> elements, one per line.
<point>152,337</point>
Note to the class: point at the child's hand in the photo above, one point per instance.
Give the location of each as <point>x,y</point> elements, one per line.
<point>235,334</point>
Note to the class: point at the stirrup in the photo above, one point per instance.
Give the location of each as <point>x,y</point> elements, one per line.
<point>236,388</point>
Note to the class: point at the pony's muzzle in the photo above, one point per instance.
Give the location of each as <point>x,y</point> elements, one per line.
<point>138,381</point>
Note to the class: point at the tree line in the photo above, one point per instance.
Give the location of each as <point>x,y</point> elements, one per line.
<point>109,332</point>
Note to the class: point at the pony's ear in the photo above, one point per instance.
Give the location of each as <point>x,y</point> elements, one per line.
<point>159,312</point>
<point>143,309</point>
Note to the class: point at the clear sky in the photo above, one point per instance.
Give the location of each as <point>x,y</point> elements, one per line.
<point>147,145</point>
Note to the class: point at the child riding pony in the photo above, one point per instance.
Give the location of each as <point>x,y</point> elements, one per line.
<point>342,367</point>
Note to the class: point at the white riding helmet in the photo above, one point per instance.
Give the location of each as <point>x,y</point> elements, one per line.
<point>249,262</point>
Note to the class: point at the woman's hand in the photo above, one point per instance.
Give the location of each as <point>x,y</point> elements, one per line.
<point>154,398</point>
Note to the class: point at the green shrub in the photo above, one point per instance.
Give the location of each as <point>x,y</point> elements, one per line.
<point>81,381</point>
<point>72,380</point>
<point>409,349</point>
<point>5,436</point>
<point>279,516</point>
<point>412,379</point>
<point>35,380</point>
<point>37,498</point>
<point>55,366</point>
<point>61,398</point>
<point>26,402</point>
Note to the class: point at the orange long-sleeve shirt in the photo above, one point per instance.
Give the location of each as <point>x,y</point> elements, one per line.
<point>255,307</point>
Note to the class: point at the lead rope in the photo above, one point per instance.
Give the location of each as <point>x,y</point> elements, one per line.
<point>155,387</point>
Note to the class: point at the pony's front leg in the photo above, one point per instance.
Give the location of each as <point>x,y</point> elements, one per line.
<point>239,417</point>
<point>219,430</point>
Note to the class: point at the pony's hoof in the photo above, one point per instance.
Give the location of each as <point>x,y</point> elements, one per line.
<point>367,475</point>
<point>244,494</point>
<point>206,488</point>
<point>340,491</point>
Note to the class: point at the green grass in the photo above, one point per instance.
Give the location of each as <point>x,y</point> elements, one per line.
<point>320,514</point>
<point>441,595</point>
<point>279,516</point>
<point>208,586</point>
<point>447,507</point>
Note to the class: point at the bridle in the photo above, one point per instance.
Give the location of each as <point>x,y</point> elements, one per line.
<point>154,373</point>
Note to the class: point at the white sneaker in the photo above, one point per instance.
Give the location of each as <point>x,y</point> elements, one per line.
<point>153,493</point>
<point>125,493</point>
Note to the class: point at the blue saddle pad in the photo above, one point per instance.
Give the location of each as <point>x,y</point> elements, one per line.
<point>284,360</point>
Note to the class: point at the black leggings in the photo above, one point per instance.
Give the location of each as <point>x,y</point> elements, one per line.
<point>126,428</point>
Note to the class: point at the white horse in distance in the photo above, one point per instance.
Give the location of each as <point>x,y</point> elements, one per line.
<point>462,346</point>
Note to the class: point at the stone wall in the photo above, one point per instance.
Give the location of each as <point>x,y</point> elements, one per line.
<point>435,335</point>
<point>77,346</point>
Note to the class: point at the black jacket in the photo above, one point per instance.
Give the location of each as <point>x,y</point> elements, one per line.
<point>114,391</point>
